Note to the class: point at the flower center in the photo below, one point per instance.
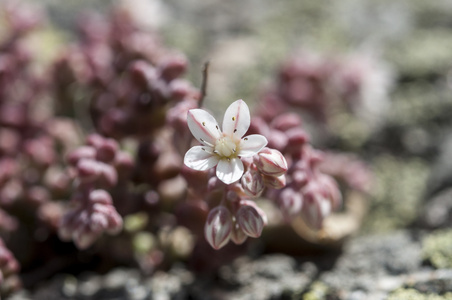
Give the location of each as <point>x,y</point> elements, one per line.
<point>226,147</point>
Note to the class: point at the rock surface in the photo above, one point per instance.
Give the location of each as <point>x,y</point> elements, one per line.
<point>370,267</point>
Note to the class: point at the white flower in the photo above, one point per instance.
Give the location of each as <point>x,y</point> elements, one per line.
<point>222,149</point>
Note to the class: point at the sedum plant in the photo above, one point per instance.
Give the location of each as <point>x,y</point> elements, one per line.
<point>104,137</point>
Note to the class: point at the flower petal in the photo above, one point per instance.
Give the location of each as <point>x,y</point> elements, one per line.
<point>251,145</point>
<point>236,119</point>
<point>203,126</point>
<point>198,159</point>
<point>230,170</point>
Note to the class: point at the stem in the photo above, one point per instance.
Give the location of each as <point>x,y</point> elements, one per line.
<point>205,77</point>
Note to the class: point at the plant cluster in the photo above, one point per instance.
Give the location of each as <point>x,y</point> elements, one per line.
<point>101,141</point>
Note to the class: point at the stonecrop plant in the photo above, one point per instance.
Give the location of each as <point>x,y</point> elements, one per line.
<point>242,164</point>
<point>97,156</point>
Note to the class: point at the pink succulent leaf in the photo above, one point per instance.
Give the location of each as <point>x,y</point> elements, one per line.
<point>100,196</point>
<point>218,227</point>
<point>198,159</point>
<point>98,222</point>
<point>203,126</point>
<point>252,144</point>
<point>236,119</point>
<point>250,221</point>
<point>230,170</point>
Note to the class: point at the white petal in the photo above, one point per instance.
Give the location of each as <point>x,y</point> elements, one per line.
<point>230,170</point>
<point>251,145</point>
<point>203,126</point>
<point>236,119</point>
<point>198,159</point>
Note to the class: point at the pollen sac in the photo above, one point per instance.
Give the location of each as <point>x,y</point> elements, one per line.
<point>218,227</point>
<point>271,162</point>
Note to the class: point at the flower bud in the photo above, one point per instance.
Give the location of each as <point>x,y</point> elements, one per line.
<point>250,221</point>
<point>290,203</point>
<point>275,182</point>
<point>252,183</point>
<point>315,207</point>
<point>238,237</point>
<point>218,227</point>
<point>271,162</point>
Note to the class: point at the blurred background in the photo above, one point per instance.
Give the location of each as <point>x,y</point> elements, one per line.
<point>398,51</point>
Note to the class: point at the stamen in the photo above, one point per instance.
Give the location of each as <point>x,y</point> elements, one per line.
<point>217,127</point>
<point>207,143</point>
<point>245,139</point>
<point>233,118</point>
<point>235,130</point>
<point>203,123</point>
<point>234,150</point>
<point>203,149</point>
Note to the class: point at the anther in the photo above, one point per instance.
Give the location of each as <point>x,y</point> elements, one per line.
<point>203,123</point>
<point>245,139</point>
<point>233,118</point>
<point>235,130</point>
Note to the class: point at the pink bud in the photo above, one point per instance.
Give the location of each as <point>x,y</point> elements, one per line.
<point>271,162</point>
<point>238,237</point>
<point>275,182</point>
<point>252,183</point>
<point>250,221</point>
<point>315,207</point>
<point>290,203</point>
<point>218,227</point>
